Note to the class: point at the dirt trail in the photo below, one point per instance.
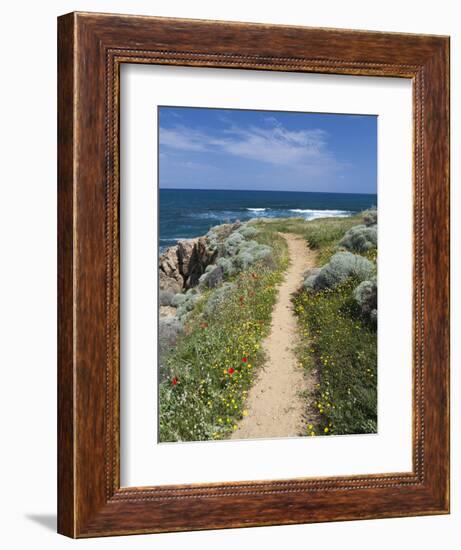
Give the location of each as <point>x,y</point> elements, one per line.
<point>274,406</point>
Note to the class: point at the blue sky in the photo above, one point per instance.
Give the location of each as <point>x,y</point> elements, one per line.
<point>266,150</point>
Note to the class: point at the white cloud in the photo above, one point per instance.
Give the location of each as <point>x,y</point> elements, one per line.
<point>272,144</point>
<point>182,138</point>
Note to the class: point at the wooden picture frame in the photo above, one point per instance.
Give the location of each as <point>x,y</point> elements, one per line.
<point>92,48</point>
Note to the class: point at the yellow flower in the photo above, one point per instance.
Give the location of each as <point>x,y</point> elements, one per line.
<point>235,427</point>
<point>245,413</point>
<point>326,430</point>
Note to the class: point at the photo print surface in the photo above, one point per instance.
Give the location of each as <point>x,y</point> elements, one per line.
<point>268,299</point>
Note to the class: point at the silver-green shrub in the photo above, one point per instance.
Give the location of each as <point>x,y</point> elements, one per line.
<point>227,265</point>
<point>178,299</point>
<point>248,231</point>
<point>185,302</point>
<point>261,252</point>
<point>232,243</point>
<point>341,266</point>
<point>243,260</point>
<point>370,217</point>
<point>366,296</point>
<point>360,238</point>
<point>212,240</point>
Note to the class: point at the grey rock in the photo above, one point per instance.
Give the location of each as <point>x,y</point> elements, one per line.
<point>215,277</point>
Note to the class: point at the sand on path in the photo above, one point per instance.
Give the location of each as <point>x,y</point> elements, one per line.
<point>274,406</point>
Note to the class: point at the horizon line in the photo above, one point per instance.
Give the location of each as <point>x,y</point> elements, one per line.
<point>262,190</point>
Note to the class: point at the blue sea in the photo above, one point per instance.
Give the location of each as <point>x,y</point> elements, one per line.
<point>185,214</point>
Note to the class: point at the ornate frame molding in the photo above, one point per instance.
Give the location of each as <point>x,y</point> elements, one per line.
<point>91,49</point>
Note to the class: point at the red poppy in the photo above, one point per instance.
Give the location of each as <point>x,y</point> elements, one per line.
<point>241,299</point>
<point>174,380</point>
<point>203,325</point>
<point>244,359</point>
<point>231,371</point>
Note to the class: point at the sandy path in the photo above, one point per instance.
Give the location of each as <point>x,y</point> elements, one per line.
<point>274,406</point>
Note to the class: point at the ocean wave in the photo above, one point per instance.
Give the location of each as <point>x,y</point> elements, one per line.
<point>311,214</point>
<point>225,216</point>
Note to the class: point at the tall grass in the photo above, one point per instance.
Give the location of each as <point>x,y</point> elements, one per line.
<point>322,235</point>
<point>343,348</point>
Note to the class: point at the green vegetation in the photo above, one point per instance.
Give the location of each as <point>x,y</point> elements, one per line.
<point>337,312</point>
<point>212,349</point>
<point>322,235</point>
<point>343,347</point>
<point>340,267</point>
<point>360,238</point>
<point>207,375</point>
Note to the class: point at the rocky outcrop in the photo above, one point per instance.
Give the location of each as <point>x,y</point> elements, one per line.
<point>181,266</point>
<point>170,278</point>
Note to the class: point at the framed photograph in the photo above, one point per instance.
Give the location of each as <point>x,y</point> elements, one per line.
<point>253,275</point>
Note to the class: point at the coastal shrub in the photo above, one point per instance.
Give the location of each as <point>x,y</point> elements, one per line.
<point>185,302</point>
<point>341,266</point>
<point>243,260</point>
<point>248,231</point>
<point>165,298</point>
<point>191,297</point>
<point>178,299</point>
<point>248,255</point>
<point>227,266</point>
<point>366,296</point>
<point>313,272</point>
<point>212,241</point>
<point>261,252</point>
<point>232,243</point>
<point>360,238</point>
<point>370,217</point>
